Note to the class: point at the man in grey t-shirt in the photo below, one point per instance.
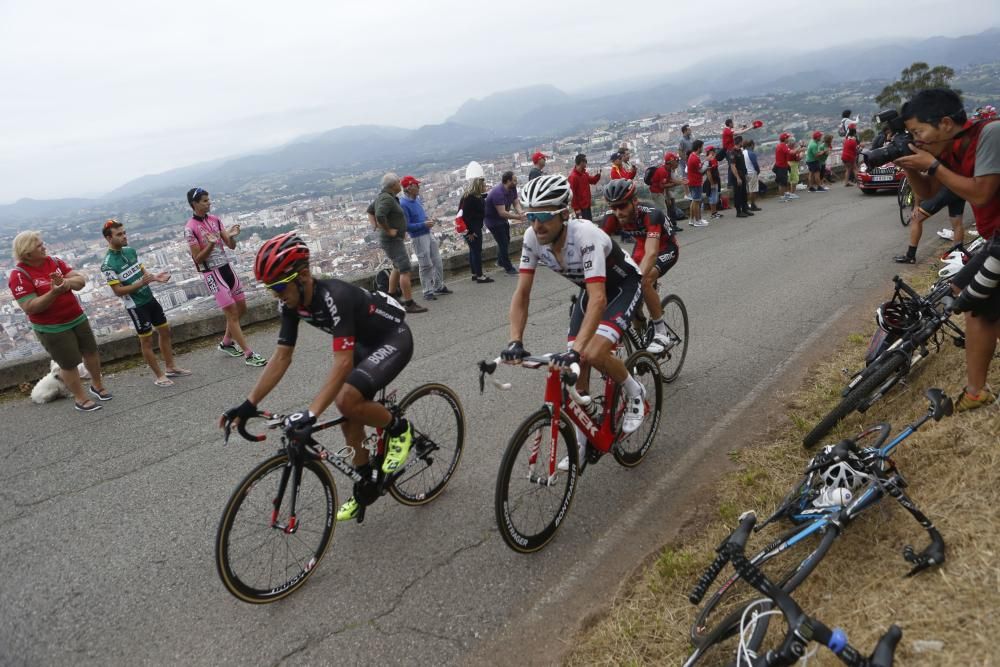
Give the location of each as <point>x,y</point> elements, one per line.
<point>387,216</point>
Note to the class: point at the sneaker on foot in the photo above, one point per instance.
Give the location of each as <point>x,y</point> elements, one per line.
<point>659,343</point>
<point>482,280</point>
<point>904,259</point>
<point>397,449</point>
<point>946,234</point>
<point>255,360</point>
<point>429,296</point>
<point>823,188</point>
<point>412,306</point>
<point>443,290</point>
<point>793,196</point>
<point>635,412</point>
<point>968,402</point>
<point>698,223</point>
<point>348,510</point>
<point>232,349</point>
<point>756,208</point>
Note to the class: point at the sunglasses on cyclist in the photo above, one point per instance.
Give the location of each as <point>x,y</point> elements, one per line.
<point>280,285</point>
<point>543,216</point>
<point>620,205</point>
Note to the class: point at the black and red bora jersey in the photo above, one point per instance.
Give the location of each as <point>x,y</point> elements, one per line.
<point>350,314</point>
<point>648,223</point>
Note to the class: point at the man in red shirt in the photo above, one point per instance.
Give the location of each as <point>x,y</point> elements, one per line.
<point>662,181</point>
<point>695,181</point>
<point>729,135</point>
<point>619,169</point>
<point>783,153</point>
<point>580,182</point>
<point>849,154</point>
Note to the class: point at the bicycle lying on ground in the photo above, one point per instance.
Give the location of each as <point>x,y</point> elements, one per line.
<point>533,494</point>
<point>839,483</point>
<point>801,628</point>
<point>280,520</point>
<point>907,323</point>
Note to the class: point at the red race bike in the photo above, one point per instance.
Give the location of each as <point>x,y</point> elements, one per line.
<point>538,474</point>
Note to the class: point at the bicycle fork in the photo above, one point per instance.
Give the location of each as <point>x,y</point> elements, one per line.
<point>293,469</point>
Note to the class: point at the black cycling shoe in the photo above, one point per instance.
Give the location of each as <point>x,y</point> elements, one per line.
<point>904,259</point>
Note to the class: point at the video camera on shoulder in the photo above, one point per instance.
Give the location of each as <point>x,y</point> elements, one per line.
<point>894,148</point>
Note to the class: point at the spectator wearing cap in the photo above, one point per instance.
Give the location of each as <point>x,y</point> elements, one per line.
<point>782,154</point>
<point>661,182</point>
<point>684,149</point>
<point>538,159</point>
<point>712,185</point>
<point>388,217</point>
<point>419,227</point>
<point>499,202</point>
<point>753,173</point>
<point>816,154</point>
<point>695,180</point>
<point>729,135</point>
<point>619,168</point>
<point>579,182</point>
<point>738,179</point>
<point>849,154</point>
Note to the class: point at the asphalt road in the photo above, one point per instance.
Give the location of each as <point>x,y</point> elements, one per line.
<point>108,519</point>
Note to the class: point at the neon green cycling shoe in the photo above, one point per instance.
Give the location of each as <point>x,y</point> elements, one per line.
<point>398,450</point>
<point>348,510</point>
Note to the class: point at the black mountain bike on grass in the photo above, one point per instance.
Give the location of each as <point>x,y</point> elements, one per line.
<point>839,483</point>
<point>909,326</point>
<point>280,520</point>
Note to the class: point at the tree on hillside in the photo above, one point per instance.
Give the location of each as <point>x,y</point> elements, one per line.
<point>914,78</point>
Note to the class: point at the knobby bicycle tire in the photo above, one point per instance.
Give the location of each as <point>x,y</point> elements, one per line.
<point>719,617</point>
<point>673,359</point>
<point>249,546</point>
<point>629,450</point>
<point>438,443</point>
<point>894,365</point>
<point>518,485</point>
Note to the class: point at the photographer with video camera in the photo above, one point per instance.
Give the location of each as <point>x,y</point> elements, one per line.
<point>945,149</point>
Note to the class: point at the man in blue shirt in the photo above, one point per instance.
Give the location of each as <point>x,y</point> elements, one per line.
<point>499,202</point>
<point>424,244</point>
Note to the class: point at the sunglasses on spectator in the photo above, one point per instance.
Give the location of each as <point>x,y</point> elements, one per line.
<point>280,285</point>
<point>543,216</point>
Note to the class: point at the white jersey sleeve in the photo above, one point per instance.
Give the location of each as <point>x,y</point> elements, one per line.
<point>595,246</point>
<point>529,251</point>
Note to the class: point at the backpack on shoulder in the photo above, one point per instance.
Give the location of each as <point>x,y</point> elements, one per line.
<point>647,176</point>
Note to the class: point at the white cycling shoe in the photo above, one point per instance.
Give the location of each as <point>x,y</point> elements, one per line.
<point>659,344</point>
<point>635,412</point>
<point>581,455</point>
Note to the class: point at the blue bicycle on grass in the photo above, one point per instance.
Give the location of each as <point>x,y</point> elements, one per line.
<point>839,483</point>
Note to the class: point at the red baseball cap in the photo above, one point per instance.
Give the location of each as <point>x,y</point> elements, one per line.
<point>407,181</point>
<point>709,148</point>
<point>852,126</point>
<point>758,123</point>
<point>538,155</point>
<point>784,136</point>
<point>817,135</point>
<point>671,157</point>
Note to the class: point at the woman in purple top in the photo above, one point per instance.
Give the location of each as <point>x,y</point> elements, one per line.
<point>498,204</point>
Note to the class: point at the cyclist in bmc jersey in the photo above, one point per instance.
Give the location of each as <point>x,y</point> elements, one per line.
<point>655,248</point>
<point>608,281</point>
<point>371,345</point>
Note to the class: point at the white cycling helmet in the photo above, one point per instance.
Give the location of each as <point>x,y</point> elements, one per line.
<point>843,476</point>
<point>952,265</point>
<point>549,190</point>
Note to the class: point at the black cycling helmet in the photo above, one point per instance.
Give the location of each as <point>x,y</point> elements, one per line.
<point>619,190</point>
<point>893,316</point>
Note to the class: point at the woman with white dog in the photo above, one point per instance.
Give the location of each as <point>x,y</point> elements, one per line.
<point>42,286</point>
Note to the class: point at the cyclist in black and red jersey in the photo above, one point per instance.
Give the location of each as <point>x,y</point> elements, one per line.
<point>655,248</point>
<point>371,346</point>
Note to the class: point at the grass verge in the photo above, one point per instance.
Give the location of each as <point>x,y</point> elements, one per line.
<point>949,614</point>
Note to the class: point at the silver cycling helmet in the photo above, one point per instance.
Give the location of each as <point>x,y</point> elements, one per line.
<point>550,190</point>
<point>843,476</point>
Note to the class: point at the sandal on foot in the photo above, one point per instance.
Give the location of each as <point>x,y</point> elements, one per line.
<point>103,395</point>
<point>88,406</point>
<point>165,382</point>
<point>177,373</point>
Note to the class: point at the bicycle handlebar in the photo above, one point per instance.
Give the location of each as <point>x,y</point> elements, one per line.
<point>241,427</point>
<point>801,628</point>
<point>569,376</point>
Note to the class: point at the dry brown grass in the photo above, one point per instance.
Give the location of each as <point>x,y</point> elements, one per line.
<point>951,468</point>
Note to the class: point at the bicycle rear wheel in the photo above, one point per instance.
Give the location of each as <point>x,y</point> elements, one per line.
<point>530,505</point>
<point>786,561</point>
<point>629,450</point>
<point>895,365</point>
<point>260,554</point>
<point>675,316</point>
<point>438,423</point>
<point>906,200</point>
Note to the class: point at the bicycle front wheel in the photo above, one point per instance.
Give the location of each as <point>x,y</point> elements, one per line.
<point>675,316</point>
<point>438,423</point>
<point>787,562</point>
<point>261,554</point>
<point>629,450</point>
<point>907,201</point>
<point>530,503</point>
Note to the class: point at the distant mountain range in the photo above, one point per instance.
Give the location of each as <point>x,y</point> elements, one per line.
<point>506,119</point>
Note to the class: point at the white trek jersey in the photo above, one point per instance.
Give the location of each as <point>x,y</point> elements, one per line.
<point>589,255</point>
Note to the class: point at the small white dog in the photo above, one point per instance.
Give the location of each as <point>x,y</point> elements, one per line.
<point>51,387</point>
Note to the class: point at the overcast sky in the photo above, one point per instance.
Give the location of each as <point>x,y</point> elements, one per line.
<point>96,93</point>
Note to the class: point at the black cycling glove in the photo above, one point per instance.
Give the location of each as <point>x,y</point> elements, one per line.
<point>962,302</point>
<point>299,425</point>
<point>243,411</point>
<point>514,351</point>
<point>565,359</point>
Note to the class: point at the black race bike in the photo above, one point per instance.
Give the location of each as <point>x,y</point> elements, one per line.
<point>280,520</point>
<point>909,327</point>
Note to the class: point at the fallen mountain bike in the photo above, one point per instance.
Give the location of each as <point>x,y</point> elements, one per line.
<point>280,520</point>
<point>909,327</point>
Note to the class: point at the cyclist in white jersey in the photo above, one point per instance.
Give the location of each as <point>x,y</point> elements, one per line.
<point>608,278</point>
